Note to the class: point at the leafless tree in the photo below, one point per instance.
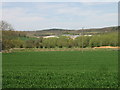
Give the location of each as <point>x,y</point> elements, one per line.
<point>5,26</point>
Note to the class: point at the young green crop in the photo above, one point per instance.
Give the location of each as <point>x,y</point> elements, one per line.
<point>60,69</point>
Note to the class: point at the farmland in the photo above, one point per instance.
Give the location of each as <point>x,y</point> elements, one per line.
<point>61,69</point>
<point>59,45</point>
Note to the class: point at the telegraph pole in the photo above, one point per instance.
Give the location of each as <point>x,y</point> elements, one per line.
<point>82,39</point>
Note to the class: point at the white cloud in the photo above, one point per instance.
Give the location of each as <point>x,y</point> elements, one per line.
<point>50,5</point>
<point>22,19</point>
<point>19,14</point>
<point>82,12</point>
<point>0,11</point>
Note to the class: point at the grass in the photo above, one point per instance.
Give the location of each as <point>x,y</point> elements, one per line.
<point>60,69</point>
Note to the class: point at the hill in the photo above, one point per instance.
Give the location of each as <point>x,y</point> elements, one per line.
<point>93,31</point>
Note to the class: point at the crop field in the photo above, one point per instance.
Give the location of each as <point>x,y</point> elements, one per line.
<point>27,38</point>
<point>61,69</point>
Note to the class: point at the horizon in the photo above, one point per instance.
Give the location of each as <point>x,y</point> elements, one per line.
<point>65,29</point>
<point>32,16</point>
<point>78,29</point>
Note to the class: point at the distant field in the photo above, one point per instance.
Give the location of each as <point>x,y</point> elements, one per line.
<point>27,38</point>
<point>61,69</point>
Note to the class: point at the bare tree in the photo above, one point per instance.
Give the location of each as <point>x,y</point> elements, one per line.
<point>5,26</point>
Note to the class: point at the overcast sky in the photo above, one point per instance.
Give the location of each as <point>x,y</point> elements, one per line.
<point>44,15</point>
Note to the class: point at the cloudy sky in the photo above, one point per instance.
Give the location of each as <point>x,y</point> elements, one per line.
<point>74,15</point>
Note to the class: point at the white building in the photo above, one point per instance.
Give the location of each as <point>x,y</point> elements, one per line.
<point>50,37</point>
<point>71,36</point>
<point>87,35</point>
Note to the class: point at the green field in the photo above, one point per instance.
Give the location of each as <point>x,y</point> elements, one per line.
<point>61,69</point>
<point>27,38</point>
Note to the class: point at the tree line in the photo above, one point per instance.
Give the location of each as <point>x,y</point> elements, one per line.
<point>10,41</point>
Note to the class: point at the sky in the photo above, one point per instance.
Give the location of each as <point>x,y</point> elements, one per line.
<point>26,16</point>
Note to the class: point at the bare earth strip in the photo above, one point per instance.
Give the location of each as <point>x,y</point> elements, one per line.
<point>107,47</point>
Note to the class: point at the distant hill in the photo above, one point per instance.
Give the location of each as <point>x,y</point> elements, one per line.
<point>93,31</point>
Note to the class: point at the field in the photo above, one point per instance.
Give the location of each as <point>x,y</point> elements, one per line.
<point>27,38</point>
<point>61,69</point>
